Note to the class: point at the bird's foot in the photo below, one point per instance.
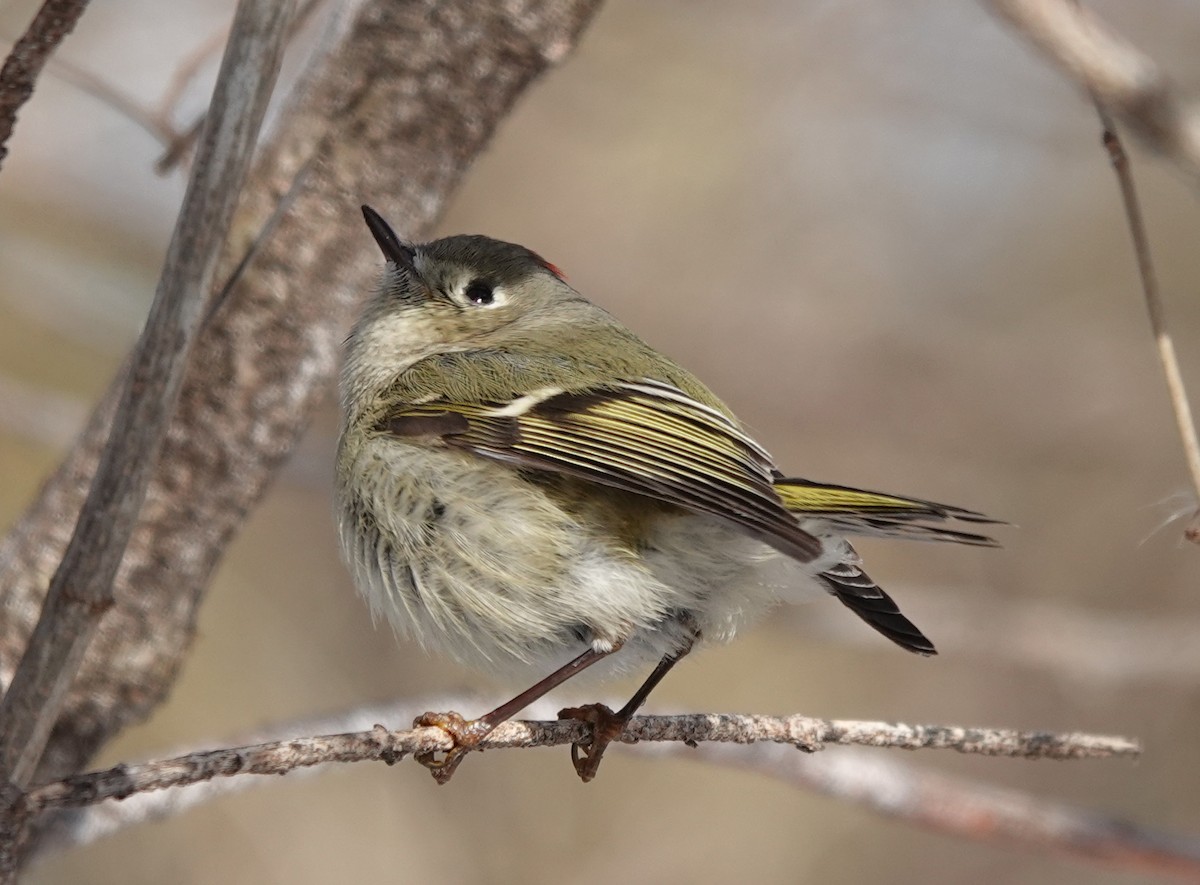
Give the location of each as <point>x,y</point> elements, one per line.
<point>466,735</point>
<point>607,727</point>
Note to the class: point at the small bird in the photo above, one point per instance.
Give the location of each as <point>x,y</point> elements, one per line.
<point>525,484</point>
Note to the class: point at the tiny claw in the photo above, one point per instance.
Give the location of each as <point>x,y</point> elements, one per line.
<point>466,735</point>
<point>607,727</point>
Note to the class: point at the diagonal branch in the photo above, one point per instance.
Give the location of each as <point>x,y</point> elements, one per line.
<point>1125,84</point>
<point>1124,80</point>
<point>53,21</point>
<point>1164,343</point>
<point>81,590</point>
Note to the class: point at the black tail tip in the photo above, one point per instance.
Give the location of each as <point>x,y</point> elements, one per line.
<point>900,630</point>
<point>855,590</point>
<point>924,648</point>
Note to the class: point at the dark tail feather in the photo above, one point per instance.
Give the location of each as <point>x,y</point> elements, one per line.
<point>850,584</point>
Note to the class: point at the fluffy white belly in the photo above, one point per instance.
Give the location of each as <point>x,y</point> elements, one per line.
<point>490,568</point>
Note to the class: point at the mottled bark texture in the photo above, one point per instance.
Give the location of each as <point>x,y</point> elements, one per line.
<point>391,112</point>
<point>380,744</point>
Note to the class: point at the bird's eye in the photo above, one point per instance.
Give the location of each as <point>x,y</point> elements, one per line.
<point>480,292</point>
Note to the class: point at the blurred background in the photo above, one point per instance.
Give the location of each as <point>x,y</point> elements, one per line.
<point>888,237</point>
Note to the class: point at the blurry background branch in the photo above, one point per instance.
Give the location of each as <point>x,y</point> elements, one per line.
<point>157,119</point>
<point>1125,81</point>
<point>1124,84</point>
<point>1082,647</point>
<point>1165,344</point>
<point>970,809</point>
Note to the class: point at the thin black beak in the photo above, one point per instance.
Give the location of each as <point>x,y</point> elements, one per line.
<point>394,249</point>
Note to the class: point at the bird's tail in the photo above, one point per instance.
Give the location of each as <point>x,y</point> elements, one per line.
<point>850,584</point>
<point>859,512</point>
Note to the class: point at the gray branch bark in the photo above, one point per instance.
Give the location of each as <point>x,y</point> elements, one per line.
<point>886,783</point>
<point>381,744</point>
<point>82,588</point>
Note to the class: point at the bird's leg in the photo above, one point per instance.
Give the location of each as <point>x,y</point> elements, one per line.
<point>468,733</point>
<point>608,726</point>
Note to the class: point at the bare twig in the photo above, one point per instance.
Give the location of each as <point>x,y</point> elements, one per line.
<point>1124,83</point>
<point>83,825</point>
<point>155,124</point>
<point>885,784</point>
<point>1154,308</point>
<point>53,21</point>
<point>1124,80</point>
<point>81,590</point>
<point>188,69</point>
<point>969,809</point>
<point>380,744</point>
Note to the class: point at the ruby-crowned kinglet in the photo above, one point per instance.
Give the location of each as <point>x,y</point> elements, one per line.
<point>523,481</point>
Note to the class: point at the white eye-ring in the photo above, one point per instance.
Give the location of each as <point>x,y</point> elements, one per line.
<point>481,293</point>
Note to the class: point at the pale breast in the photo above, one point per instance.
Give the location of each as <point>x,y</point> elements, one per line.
<point>467,556</point>
<point>476,560</point>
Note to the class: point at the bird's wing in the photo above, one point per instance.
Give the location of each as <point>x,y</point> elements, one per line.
<point>859,512</point>
<point>645,437</point>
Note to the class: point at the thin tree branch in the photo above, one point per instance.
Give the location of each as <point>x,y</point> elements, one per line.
<point>156,124</point>
<point>380,744</point>
<point>188,69</point>
<point>74,827</point>
<point>82,588</point>
<point>1124,83</point>
<point>969,809</point>
<point>1123,79</point>
<point>53,21</point>
<point>882,783</point>
<point>1176,390</point>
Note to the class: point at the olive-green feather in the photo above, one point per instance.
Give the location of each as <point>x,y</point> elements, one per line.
<point>578,360</point>
<point>648,437</point>
<point>862,512</point>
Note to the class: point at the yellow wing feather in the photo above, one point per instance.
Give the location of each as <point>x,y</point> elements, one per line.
<point>646,437</point>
